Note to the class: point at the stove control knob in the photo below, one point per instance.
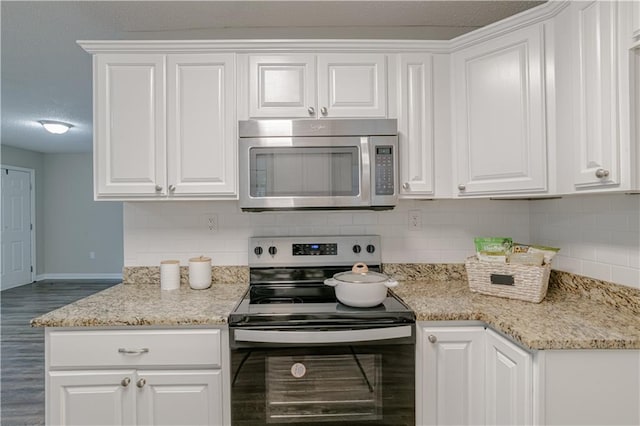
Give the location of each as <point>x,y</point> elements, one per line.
<point>273,251</point>
<point>357,248</point>
<point>258,251</point>
<point>371,248</point>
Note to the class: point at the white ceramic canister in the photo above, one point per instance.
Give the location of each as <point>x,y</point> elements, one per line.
<point>170,275</point>
<point>200,272</point>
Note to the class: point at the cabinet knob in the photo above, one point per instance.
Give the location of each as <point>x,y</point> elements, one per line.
<point>140,383</point>
<point>602,173</point>
<point>462,187</point>
<point>405,186</point>
<point>432,338</point>
<point>158,188</point>
<point>323,110</point>
<point>125,382</point>
<point>312,110</point>
<point>172,188</point>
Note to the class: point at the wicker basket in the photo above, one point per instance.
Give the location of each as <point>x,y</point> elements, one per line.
<point>512,281</point>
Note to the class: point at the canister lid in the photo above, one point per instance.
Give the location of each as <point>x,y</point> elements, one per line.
<point>200,259</point>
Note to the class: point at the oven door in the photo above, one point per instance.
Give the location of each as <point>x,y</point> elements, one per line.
<point>324,377</point>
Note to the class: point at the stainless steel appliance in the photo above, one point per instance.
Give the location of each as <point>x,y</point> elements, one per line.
<point>318,164</point>
<point>298,356</point>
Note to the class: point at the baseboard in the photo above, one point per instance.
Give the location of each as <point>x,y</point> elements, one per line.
<point>117,276</point>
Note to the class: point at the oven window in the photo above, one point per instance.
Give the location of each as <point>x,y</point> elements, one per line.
<point>344,387</point>
<point>305,172</point>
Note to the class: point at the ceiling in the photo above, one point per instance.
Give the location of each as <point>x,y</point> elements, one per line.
<point>45,75</point>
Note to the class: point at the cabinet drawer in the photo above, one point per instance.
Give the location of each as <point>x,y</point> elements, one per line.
<point>120,348</point>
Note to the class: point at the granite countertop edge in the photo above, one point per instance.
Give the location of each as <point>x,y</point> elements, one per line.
<point>561,321</point>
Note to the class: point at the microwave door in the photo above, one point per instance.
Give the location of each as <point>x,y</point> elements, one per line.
<point>293,173</point>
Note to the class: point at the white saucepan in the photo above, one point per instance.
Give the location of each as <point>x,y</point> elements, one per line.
<point>360,287</point>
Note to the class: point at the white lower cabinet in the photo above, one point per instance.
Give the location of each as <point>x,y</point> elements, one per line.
<point>137,377</point>
<point>471,376</point>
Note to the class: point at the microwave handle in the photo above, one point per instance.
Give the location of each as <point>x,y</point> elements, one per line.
<point>365,171</point>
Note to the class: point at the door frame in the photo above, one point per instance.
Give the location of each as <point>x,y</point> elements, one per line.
<point>32,183</point>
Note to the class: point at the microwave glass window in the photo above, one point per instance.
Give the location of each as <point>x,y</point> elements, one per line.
<point>306,172</point>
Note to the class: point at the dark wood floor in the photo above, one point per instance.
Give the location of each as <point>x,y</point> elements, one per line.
<point>22,362</point>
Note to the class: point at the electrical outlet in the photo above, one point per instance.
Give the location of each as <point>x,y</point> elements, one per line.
<point>211,222</point>
<point>415,219</point>
<point>92,255</point>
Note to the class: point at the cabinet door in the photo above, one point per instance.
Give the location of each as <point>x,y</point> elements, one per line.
<point>201,122</point>
<point>282,86</point>
<point>415,124</point>
<point>596,134</point>
<point>352,85</point>
<point>453,376</point>
<point>499,115</point>
<point>85,398</point>
<point>176,397</point>
<point>129,139</point>
<point>508,382</point>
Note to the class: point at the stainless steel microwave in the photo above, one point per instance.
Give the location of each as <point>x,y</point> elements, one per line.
<point>318,164</point>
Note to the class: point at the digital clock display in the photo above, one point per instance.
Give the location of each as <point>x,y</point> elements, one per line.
<point>315,249</point>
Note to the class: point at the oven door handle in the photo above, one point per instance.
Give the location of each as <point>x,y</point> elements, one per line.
<point>308,336</point>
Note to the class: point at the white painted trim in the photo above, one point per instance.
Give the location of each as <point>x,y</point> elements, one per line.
<point>79,276</point>
<point>32,183</point>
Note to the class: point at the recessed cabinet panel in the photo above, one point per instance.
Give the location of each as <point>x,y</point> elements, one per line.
<point>180,397</point>
<point>499,115</point>
<point>130,134</point>
<point>352,85</point>
<point>201,122</point>
<point>91,397</point>
<point>282,86</point>
<point>595,109</point>
<point>415,125</point>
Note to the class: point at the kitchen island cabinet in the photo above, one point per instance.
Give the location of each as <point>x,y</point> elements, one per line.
<point>161,376</point>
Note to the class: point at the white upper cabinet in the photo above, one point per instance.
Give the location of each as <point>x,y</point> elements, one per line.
<point>499,115</point>
<point>317,86</point>
<point>415,124</point>
<point>201,122</point>
<point>595,95</point>
<point>635,11</point>
<point>129,137</point>
<point>165,126</point>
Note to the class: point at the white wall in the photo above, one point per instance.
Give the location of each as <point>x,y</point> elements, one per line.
<point>157,231</point>
<point>599,235</point>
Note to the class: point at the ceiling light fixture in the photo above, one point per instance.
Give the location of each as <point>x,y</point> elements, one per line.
<point>55,127</point>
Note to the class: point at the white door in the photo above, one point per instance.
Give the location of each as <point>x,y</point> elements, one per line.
<point>595,86</point>
<point>96,397</point>
<point>129,114</point>
<point>452,386</point>
<point>17,267</point>
<point>508,382</point>
<point>499,115</point>
<point>352,85</point>
<point>282,86</point>
<point>201,123</point>
<point>180,397</point>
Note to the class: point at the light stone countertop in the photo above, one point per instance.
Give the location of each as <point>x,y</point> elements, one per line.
<point>564,320</point>
<point>144,304</point>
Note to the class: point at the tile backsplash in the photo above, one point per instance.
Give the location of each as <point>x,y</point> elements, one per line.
<point>599,235</point>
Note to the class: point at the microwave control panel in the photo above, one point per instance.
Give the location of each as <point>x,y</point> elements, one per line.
<point>384,170</point>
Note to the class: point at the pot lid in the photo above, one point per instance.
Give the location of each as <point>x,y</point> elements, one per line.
<point>360,274</point>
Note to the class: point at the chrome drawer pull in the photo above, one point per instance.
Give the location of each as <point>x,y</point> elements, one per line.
<point>133,351</point>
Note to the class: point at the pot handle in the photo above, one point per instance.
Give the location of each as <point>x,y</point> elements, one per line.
<point>331,282</point>
<point>360,268</point>
<point>391,283</point>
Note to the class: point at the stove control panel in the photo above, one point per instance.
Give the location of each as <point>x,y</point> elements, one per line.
<point>314,251</point>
